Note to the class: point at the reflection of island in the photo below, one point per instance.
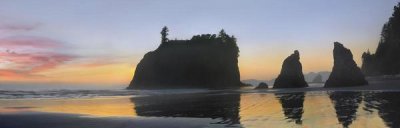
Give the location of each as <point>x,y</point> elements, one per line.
<point>388,106</point>
<point>292,105</point>
<point>215,106</point>
<point>346,105</point>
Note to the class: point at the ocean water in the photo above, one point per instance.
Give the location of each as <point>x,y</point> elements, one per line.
<point>199,108</point>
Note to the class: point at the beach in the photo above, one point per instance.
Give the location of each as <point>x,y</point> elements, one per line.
<point>374,105</point>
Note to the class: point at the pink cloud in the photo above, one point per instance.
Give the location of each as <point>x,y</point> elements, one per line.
<point>30,55</point>
<point>14,27</point>
<point>34,62</point>
<point>28,41</point>
<point>9,27</point>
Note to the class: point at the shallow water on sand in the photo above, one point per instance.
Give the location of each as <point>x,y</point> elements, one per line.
<point>203,108</point>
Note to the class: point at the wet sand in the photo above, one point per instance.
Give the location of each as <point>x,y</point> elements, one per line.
<point>57,120</point>
<point>375,105</point>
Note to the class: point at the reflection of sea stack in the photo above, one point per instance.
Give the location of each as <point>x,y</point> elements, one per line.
<point>346,105</point>
<point>291,75</point>
<point>262,85</point>
<point>345,71</point>
<point>204,61</point>
<point>292,105</point>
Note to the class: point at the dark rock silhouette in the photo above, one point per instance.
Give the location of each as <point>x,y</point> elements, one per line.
<point>262,85</point>
<point>346,105</point>
<point>345,71</point>
<point>224,108</point>
<point>317,79</point>
<point>292,105</point>
<point>291,75</point>
<point>205,61</point>
<point>386,60</point>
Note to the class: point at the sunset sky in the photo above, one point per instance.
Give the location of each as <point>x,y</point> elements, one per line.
<point>99,42</point>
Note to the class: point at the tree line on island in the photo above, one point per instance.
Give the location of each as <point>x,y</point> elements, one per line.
<point>211,61</point>
<point>386,59</point>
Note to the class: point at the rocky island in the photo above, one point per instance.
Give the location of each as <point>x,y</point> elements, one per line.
<point>345,71</point>
<point>204,61</point>
<point>291,75</point>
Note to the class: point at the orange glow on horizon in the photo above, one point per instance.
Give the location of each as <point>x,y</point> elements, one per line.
<point>119,73</point>
<point>252,65</point>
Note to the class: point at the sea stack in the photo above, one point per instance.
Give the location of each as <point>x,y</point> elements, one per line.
<point>204,61</point>
<point>291,75</point>
<point>345,72</point>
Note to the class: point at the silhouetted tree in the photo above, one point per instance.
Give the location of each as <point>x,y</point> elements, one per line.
<point>223,36</point>
<point>164,34</point>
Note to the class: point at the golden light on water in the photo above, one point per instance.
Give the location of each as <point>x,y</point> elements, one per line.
<point>319,110</point>
<point>99,107</point>
<point>261,110</point>
<point>256,110</point>
<point>265,110</point>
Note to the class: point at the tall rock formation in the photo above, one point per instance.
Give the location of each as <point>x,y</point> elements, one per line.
<point>345,71</point>
<point>291,75</point>
<point>386,60</point>
<point>205,61</point>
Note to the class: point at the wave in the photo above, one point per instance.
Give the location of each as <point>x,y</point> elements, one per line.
<point>18,94</point>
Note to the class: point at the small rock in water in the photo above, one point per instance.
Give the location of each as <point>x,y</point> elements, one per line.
<point>262,85</point>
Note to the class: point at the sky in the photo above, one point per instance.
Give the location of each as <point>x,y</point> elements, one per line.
<point>99,42</point>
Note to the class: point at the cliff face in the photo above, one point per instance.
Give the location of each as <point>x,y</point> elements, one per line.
<point>386,60</point>
<point>345,71</point>
<point>205,61</point>
<point>291,75</point>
